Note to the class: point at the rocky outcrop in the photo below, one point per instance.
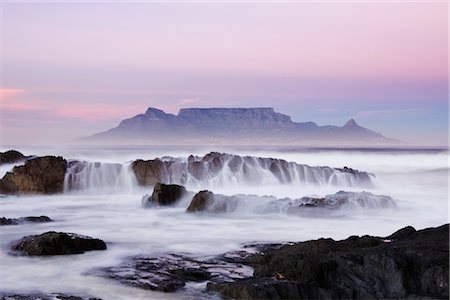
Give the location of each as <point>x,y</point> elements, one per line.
<point>10,157</point>
<point>166,194</point>
<point>206,201</point>
<point>17,221</point>
<point>57,243</point>
<point>40,175</point>
<point>170,272</point>
<point>53,296</point>
<point>407,264</point>
<point>214,168</point>
<point>150,172</point>
<point>201,201</point>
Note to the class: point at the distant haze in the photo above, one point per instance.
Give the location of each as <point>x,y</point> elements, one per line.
<point>70,70</point>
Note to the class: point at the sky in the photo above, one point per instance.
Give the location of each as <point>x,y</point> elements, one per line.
<point>71,69</point>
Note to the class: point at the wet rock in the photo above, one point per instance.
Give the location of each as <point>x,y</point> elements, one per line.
<point>167,194</point>
<point>40,175</point>
<point>57,243</point>
<point>53,296</point>
<point>201,201</point>
<point>170,272</point>
<point>150,172</point>
<point>414,266</point>
<point>31,219</point>
<point>348,200</point>
<point>10,157</point>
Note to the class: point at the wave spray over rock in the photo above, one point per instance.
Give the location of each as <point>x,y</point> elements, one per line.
<point>212,170</point>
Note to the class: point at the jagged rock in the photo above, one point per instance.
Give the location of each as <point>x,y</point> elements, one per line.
<point>150,172</point>
<point>31,219</point>
<point>413,265</point>
<point>10,157</point>
<point>167,194</point>
<point>57,243</point>
<point>201,201</point>
<point>170,272</point>
<point>40,175</point>
<point>53,296</point>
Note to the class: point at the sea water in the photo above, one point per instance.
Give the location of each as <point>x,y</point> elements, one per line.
<point>107,205</point>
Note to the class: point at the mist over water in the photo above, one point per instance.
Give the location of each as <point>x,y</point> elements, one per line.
<point>104,201</point>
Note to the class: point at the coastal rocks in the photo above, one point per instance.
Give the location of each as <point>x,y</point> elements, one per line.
<point>31,219</point>
<point>57,243</point>
<point>165,194</point>
<point>150,172</point>
<point>407,264</point>
<point>207,201</point>
<point>53,296</point>
<point>349,200</point>
<point>40,175</point>
<point>170,272</point>
<point>201,201</point>
<point>10,157</point>
<point>216,168</point>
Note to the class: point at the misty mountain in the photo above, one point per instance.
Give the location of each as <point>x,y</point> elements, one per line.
<point>233,126</point>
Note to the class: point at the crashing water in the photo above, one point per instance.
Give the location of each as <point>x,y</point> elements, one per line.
<point>103,200</point>
<point>210,171</point>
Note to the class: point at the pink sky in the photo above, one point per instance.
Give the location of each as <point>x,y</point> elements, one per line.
<point>325,62</point>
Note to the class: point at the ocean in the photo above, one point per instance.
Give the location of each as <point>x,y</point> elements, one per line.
<point>106,203</point>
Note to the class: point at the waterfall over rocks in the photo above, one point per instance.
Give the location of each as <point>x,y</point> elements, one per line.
<point>217,169</point>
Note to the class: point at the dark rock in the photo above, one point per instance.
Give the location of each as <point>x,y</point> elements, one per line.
<point>402,233</point>
<point>32,219</point>
<point>201,201</point>
<point>10,157</point>
<point>167,194</point>
<point>57,243</point>
<point>40,175</point>
<point>168,273</point>
<point>413,265</point>
<point>53,296</point>
<point>150,172</point>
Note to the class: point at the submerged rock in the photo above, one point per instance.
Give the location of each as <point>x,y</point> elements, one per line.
<point>57,243</point>
<point>201,201</point>
<point>407,264</point>
<point>10,157</point>
<point>31,219</point>
<point>53,296</point>
<point>222,167</point>
<point>170,272</point>
<point>40,175</point>
<point>167,194</point>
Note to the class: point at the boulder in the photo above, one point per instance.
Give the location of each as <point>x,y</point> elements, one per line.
<point>413,265</point>
<point>167,194</point>
<point>170,272</point>
<point>40,175</point>
<point>17,221</point>
<point>150,172</point>
<point>57,243</point>
<point>10,157</point>
<point>201,201</point>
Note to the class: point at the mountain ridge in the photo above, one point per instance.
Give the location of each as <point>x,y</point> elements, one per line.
<point>258,125</point>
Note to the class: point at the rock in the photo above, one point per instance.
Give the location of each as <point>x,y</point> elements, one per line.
<point>167,194</point>
<point>53,296</point>
<point>150,172</point>
<point>10,157</point>
<point>57,243</point>
<point>201,201</point>
<point>40,175</point>
<point>170,272</point>
<point>413,266</point>
<point>32,219</point>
